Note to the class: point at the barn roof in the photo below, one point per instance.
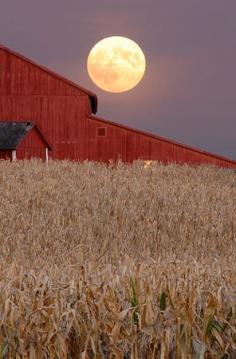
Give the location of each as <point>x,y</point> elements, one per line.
<point>92,96</point>
<point>12,133</point>
<point>163,139</point>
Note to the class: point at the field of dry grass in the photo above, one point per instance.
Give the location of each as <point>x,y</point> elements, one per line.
<point>123,262</point>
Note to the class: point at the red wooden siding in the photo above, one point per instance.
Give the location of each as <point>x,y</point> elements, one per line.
<point>32,146</point>
<point>5,155</point>
<point>61,119</point>
<point>20,77</point>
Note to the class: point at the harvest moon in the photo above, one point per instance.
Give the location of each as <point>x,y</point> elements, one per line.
<point>116,64</point>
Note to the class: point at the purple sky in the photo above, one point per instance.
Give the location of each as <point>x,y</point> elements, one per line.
<point>189,90</point>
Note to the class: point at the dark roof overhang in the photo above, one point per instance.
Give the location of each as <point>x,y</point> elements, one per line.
<point>94,104</point>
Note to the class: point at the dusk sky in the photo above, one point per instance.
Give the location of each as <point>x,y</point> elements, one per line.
<point>189,90</point>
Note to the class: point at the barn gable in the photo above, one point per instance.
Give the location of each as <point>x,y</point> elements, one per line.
<point>24,76</point>
<point>24,139</point>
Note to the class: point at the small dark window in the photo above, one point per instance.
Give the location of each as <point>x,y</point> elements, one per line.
<point>101,131</point>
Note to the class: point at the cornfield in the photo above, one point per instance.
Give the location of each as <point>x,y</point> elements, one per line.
<point>122,261</point>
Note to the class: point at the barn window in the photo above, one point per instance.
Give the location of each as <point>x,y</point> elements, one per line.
<point>101,131</point>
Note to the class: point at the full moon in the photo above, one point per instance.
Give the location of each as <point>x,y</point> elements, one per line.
<point>116,64</point>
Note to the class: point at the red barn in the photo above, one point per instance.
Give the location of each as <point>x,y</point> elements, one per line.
<point>63,120</point>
